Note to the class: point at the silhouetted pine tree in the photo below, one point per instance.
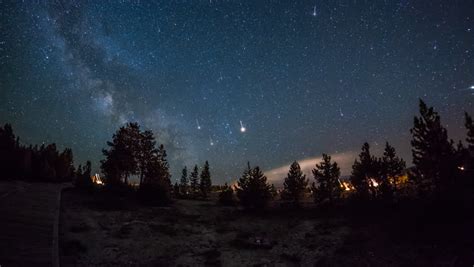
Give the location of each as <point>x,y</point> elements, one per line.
<point>433,153</point>
<point>194,180</point>
<point>327,186</point>
<point>145,152</point>
<point>121,158</point>
<point>470,131</point>
<point>205,181</point>
<point>156,187</point>
<point>469,158</point>
<point>183,183</point>
<point>83,178</point>
<point>164,166</point>
<point>466,159</point>
<point>273,191</point>
<point>226,196</point>
<point>78,176</point>
<point>295,184</point>
<point>65,166</point>
<point>363,170</point>
<point>87,171</point>
<point>133,151</point>
<point>253,190</point>
<point>176,191</point>
<point>391,168</point>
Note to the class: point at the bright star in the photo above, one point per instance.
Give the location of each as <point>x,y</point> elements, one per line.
<point>242,127</point>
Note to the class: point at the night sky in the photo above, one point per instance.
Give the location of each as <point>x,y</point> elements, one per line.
<point>302,77</point>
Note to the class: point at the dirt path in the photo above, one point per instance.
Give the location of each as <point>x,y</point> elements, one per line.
<point>28,223</point>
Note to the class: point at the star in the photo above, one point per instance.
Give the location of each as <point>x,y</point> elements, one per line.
<point>198,125</point>
<point>242,127</point>
<point>315,11</point>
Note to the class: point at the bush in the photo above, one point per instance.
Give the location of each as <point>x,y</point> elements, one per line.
<point>154,194</point>
<point>226,196</point>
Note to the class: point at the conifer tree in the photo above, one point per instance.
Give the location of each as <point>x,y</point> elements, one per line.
<point>133,151</point>
<point>83,177</point>
<point>433,153</point>
<point>176,190</point>
<point>391,168</point>
<point>156,186</point>
<point>470,131</point>
<point>295,184</point>
<point>273,191</point>
<point>164,166</point>
<point>194,180</point>
<point>121,158</point>
<point>205,180</point>
<point>326,186</point>
<point>363,171</point>
<point>253,190</point>
<point>183,183</point>
<point>465,157</point>
<point>145,152</point>
<point>65,166</point>
<point>78,176</point>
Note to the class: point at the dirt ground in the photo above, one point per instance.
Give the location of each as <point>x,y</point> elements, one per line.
<point>197,233</point>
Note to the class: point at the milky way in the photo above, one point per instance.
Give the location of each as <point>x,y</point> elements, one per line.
<point>234,81</point>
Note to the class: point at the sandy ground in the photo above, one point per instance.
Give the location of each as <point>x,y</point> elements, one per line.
<point>198,233</point>
<point>191,233</point>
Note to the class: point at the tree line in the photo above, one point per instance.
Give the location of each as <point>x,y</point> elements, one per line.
<point>44,163</point>
<point>196,185</point>
<point>442,169</point>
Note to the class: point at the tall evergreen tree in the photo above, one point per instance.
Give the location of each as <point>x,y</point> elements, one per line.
<point>205,180</point>
<point>327,186</point>
<point>470,131</point>
<point>253,190</point>
<point>194,180</point>
<point>87,170</point>
<point>295,184</point>
<point>273,191</point>
<point>433,153</point>
<point>83,177</point>
<point>183,183</point>
<point>465,157</point>
<point>156,186</point>
<point>164,166</point>
<point>121,158</point>
<point>363,170</point>
<point>176,191</point>
<point>133,151</point>
<point>146,151</point>
<point>391,168</point>
<point>65,166</point>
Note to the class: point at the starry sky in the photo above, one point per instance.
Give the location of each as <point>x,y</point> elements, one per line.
<point>302,77</point>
